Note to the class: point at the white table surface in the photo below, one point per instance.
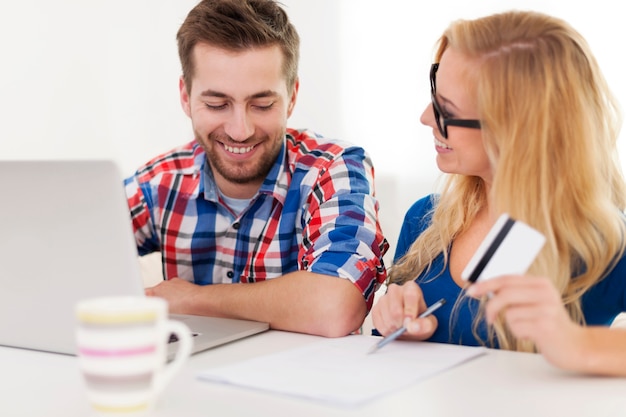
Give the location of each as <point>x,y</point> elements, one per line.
<point>496,384</point>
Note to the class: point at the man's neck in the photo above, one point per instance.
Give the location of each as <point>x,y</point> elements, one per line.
<point>237,190</point>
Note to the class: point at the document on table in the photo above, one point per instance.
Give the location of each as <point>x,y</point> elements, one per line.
<point>340,372</point>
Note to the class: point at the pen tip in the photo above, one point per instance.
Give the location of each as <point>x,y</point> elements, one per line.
<point>372,349</point>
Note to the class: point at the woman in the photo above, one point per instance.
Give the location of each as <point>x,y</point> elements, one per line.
<point>524,124</point>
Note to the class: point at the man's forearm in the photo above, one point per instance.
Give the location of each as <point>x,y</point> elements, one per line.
<point>300,301</point>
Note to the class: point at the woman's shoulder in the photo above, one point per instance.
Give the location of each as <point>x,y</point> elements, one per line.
<point>416,220</point>
<point>420,212</point>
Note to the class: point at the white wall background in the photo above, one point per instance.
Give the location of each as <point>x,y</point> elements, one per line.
<point>98,78</point>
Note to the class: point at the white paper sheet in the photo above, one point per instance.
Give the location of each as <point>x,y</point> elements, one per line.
<point>340,372</point>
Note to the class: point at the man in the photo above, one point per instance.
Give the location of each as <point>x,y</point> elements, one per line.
<point>282,223</point>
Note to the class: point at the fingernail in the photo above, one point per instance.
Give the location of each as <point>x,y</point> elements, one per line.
<point>413,327</point>
<point>471,290</point>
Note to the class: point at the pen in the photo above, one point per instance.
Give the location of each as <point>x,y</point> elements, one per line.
<point>393,336</point>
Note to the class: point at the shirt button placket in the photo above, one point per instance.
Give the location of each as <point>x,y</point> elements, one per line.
<point>231,274</point>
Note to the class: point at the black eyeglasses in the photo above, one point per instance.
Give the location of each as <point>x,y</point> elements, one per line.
<point>442,122</point>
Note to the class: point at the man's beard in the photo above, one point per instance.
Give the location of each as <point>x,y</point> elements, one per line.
<point>241,173</point>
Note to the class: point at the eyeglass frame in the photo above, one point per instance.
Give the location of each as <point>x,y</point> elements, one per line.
<point>443,129</point>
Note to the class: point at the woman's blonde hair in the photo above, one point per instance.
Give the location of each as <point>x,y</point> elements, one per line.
<point>549,128</point>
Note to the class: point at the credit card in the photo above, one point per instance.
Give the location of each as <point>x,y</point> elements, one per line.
<point>510,247</point>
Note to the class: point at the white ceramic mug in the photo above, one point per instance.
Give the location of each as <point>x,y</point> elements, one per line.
<point>122,352</point>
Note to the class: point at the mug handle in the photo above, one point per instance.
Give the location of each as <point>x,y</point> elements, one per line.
<point>183,333</point>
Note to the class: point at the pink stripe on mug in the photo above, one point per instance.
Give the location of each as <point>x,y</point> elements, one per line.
<point>84,351</point>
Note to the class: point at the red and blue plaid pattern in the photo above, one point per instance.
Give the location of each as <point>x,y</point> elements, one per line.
<point>315,211</point>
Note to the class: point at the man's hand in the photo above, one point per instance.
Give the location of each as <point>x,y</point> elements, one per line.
<point>180,294</point>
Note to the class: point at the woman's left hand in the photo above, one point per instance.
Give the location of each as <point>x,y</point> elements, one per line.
<point>533,310</point>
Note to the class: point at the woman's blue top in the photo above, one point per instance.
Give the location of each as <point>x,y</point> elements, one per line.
<point>600,305</point>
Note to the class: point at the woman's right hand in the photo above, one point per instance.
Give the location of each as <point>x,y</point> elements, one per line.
<point>401,305</point>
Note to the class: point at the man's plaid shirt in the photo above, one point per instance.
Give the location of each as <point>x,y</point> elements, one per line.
<point>315,211</point>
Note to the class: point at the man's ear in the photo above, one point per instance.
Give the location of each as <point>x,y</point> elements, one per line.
<point>184,96</point>
<point>294,97</point>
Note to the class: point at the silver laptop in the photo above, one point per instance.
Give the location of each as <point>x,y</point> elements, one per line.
<point>66,235</point>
